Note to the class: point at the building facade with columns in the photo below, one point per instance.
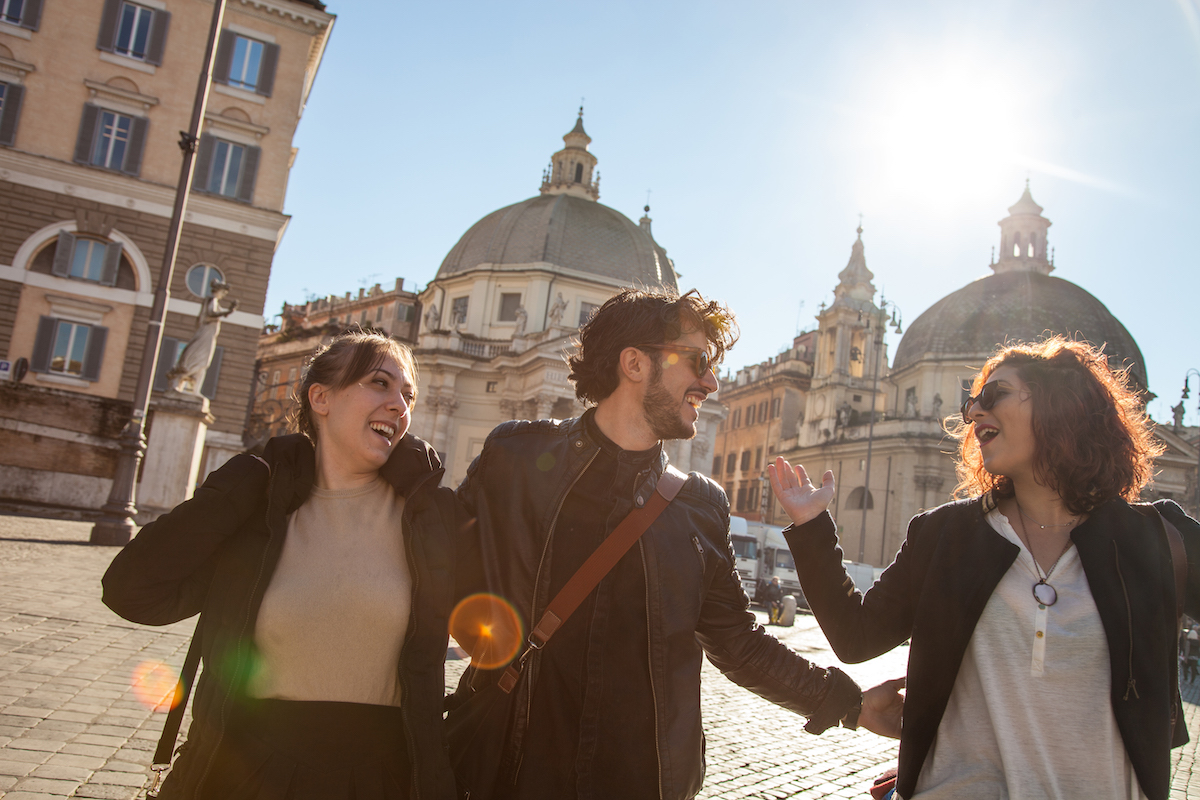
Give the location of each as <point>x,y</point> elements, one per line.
<point>885,439</point>
<point>92,97</point>
<point>499,317</point>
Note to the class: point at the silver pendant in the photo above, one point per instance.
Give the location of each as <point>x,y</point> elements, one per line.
<point>1044,593</point>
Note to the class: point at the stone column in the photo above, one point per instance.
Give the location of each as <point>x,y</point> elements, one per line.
<point>178,425</point>
<point>545,405</point>
<point>441,427</point>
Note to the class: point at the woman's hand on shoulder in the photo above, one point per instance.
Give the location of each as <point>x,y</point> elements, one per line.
<point>801,499</point>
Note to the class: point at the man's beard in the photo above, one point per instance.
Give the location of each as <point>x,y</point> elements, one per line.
<point>662,412</point>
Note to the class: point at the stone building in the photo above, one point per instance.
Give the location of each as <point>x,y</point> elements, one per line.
<point>283,352</point>
<point>765,402</point>
<point>92,97</point>
<point>499,316</point>
<point>884,438</point>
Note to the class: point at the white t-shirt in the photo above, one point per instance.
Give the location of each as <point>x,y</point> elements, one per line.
<point>1029,716</point>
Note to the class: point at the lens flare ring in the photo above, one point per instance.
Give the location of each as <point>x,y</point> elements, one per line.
<point>488,628</point>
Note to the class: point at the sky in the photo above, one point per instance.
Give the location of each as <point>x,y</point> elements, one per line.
<point>762,131</point>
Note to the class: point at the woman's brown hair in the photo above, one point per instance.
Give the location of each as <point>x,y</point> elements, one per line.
<point>339,363</point>
<point>1092,438</point>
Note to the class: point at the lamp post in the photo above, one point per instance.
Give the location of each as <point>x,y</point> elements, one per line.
<point>1187,391</point>
<point>881,324</point>
<point>116,523</point>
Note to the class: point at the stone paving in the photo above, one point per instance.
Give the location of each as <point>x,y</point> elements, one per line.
<point>72,724</point>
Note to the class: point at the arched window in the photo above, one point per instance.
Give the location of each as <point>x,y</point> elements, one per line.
<point>1032,241</point>
<point>200,278</point>
<point>855,500</point>
<point>579,173</point>
<point>1017,244</point>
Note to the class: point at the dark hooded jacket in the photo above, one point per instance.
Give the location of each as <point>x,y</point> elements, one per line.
<point>215,555</point>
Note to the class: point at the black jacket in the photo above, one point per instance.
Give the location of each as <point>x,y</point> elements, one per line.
<point>216,553</point>
<point>948,567</point>
<point>695,605</point>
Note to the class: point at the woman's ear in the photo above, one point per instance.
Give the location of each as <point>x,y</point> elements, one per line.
<point>318,399</point>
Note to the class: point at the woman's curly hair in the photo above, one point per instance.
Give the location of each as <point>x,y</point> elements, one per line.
<point>633,317</point>
<point>1092,438</point>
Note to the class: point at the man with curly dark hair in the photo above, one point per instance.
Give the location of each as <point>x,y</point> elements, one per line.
<point>609,707</point>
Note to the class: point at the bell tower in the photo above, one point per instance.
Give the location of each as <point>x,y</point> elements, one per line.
<point>571,169</point>
<point>1023,238</point>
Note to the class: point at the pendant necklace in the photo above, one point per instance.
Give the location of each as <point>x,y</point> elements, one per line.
<point>1043,592</point>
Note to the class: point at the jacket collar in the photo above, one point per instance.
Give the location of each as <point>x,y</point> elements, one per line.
<point>585,435</point>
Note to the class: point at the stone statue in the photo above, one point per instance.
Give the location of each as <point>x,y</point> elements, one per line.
<point>910,405</point>
<point>187,376</point>
<point>1177,413</point>
<point>937,406</point>
<point>522,321</point>
<point>557,310</point>
<point>433,318</point>
<point>843,415</point>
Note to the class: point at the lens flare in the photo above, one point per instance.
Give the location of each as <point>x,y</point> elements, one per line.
<point>545,462</point>
<point>154,685</point>
<point>488,628</point>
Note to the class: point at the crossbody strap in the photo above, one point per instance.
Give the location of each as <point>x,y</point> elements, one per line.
<point>179,700</point>
<point>599,564</point>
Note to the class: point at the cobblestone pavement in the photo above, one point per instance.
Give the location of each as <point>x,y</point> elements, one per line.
<point>72,723</point>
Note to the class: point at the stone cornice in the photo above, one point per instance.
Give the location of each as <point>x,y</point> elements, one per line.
<point>18,69</point>
<point>98,89</point>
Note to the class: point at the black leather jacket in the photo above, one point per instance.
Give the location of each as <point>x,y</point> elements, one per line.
<point>695,605</point>
<point>229,537</point>
<point>948,567</point>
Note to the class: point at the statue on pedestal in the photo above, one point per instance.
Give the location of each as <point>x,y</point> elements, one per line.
<point>522,321</point>
<point>557,310</point>
<point>187,376</point>
<point>433,318</point>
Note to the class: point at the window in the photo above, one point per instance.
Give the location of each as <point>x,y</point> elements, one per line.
<point>730,463</point>
<point>404,312</point>
<point>168,356</point>
<point>110,140</point>
<point>133,31</point>
<point>200,279</point>
<point>86,259</point>
<point>21,12</point>
<point>855,500</point>
<point>775,408</point>
<point>66,347</point>
<point>579,173</point>
<point>246,63</point>
<point>10,110</point>
<point>716,469</point>
<point>745,461</point>
<point>758,458</point>
<point>752,497</point>
<point>585,312</point>
<point>750,415</point>
<point>379,314</point>
<point>362,319</point>
<point>741,499</point>
<point>458,310</point>
<point>762,411</point>
<point>509,303</point>
<point>491,387</point>
<point>226,168</point>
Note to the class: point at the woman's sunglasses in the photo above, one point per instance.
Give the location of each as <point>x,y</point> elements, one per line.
<point>986,398</point>
<point>700,359</point>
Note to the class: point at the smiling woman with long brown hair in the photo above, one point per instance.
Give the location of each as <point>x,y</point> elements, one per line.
<point>1041,608</point>
<point>323,574</point>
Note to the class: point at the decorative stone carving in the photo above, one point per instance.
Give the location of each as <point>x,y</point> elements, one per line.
<point>557,310</point>
<point>433,318</point>
<point>522,322</point>
<point>187,376</point>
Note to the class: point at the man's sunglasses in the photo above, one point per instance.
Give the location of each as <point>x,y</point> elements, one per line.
<point>700,358</point>
<point>987,397</point>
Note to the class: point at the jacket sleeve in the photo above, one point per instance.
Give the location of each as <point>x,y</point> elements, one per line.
<point>858,626</point>
<point>162,576</point>
<point>754,659</point>
<point>1189,531</point>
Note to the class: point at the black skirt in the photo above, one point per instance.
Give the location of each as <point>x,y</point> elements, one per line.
<point>293,750</point>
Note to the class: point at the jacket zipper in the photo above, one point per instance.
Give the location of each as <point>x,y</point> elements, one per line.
<point>245,622</point>
<point>650,667</point>
<point>533,617</point>
<point>1132,684</point>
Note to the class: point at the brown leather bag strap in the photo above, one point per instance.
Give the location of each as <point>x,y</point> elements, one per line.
<point>599,564</point>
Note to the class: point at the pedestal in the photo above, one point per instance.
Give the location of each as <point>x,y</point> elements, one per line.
<point>176,445</point>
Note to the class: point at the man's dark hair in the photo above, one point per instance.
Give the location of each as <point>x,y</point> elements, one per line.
<point>634,317</point>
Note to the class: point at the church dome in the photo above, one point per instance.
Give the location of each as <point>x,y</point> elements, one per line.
<point>566,227</point>
<point>1020,302</point>
<point>576,233</point>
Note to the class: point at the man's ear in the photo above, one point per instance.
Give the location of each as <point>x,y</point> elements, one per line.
<point>318,399</point>
<point>635,365</point>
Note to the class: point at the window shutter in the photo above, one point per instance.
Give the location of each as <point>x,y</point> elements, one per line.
<point>108,25</point>
<point>97,336</point>
<point>266,70</point>
<point>166,360</point>
<point>158,37</point>
<point>87,134</point>
<point>112,262</point>
<point>220,72</point>
<point>31,14</point>
<point>203,163</point>
<point>249,172</point>
<point>62,255</point>
<point>209,389</point>
<point>137,143</point>
<point>10,113</point>
<point>40,360</point>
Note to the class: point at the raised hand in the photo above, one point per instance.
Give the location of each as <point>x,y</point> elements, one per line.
<point>800,498</point>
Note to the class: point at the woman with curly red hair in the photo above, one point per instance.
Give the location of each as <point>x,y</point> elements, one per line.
<point>1041,607</point>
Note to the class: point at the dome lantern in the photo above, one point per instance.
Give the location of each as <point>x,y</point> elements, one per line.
<point>570,170</point>
<point>1023,238</point>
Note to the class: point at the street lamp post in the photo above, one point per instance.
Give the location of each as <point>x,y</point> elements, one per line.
<point>1187,391</point>
<point>881,324</point>
<point>116,522</point>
